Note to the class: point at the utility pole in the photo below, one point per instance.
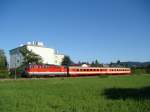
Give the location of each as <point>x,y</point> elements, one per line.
<point>68,71</point>
<point>15,68</point>
<point>15,74</point>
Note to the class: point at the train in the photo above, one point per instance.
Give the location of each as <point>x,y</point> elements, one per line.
<point>40,70</point>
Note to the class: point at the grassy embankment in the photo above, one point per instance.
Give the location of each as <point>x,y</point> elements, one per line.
<point>89,94</point>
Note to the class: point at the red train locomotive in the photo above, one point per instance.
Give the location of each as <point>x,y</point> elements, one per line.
<point>72,71</point>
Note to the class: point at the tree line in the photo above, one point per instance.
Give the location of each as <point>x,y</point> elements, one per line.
<point>3,65</point>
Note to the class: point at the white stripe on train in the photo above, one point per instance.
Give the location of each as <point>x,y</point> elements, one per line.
<point>63,73</point>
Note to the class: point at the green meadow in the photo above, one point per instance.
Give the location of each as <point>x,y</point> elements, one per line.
<point>82,94</point>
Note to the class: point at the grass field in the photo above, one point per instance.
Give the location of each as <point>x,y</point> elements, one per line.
<point>88,94</point>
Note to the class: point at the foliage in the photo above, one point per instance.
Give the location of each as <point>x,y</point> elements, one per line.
<point>91,94</point>
<point>30,57</point>
<point>148,69</point>
<point>3,60</point>
<point>96,64</point>
<point>118,62</point>
<point>3,65</point>
<point>4,74</point>
<point>140,70</point>
<point>67,61</point>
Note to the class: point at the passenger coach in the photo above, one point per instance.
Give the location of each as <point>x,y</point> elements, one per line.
<point>72,71</point>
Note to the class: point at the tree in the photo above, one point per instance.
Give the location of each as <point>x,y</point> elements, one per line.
<point>96,63</point>
<point>67,61</point>
<point>118,62</point>
<point>30,57</point>
<point>148,69</point>
<point>111,64</point>
<point>3,65</point>
<point>92,64</point>
<point>3,60</point>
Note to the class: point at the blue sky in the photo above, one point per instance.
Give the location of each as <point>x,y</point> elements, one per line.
<point>86,30</point>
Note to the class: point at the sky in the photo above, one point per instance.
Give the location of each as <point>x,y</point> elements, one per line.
<point>107,30</point>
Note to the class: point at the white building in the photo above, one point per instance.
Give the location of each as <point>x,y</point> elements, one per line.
<point>48,55</point>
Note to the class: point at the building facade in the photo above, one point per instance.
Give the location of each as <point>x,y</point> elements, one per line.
<point>48,55</point>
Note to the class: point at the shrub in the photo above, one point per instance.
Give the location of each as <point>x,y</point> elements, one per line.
<point>4,74</point>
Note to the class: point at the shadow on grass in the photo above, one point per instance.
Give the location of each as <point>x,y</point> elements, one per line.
<point>128,93</point>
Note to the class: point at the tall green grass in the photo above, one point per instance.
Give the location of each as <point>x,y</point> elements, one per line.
<point>88,94</point>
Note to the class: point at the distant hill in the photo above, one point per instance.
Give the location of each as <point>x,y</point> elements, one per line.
<point>131,64</point>
<point>135,64</point>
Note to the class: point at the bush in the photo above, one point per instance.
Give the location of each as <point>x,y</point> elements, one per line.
<point>148,69</point>
<point>4,74</point>
<point>138,71</point>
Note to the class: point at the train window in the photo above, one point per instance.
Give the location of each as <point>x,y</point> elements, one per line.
<point>77,69</point>
<point>97,69</point>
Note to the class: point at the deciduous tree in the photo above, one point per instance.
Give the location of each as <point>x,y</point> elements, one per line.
<point>30,57</point>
